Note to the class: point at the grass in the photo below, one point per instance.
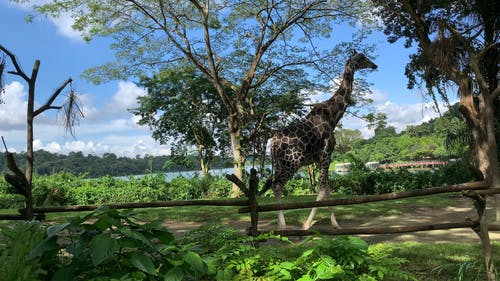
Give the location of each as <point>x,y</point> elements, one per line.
<point>447,261</point>
<point>215,214</point>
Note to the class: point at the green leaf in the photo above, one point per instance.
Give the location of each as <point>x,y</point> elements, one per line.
<point>174,274</point>
<point>55,229</point>
<point>144,263</point>
<point>49,244</point>
<point>224,275</point>
<point>195,261</point>
<point>63,274</point>
<point>102,247</point>
<point>135,235</point>
<point>104,222</point>
<point>305,278</point>
<point>287,265</point>
<point>323,272</point>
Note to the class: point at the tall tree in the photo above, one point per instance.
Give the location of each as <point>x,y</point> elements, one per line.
<point>181,104</point>
<point>237,45</point>
<point>347,139</point>
<point>22,182</point>
<point>458,44</point>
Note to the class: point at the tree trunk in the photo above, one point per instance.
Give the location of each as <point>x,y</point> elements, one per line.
<point>204,161</point>
<point>238,157</point>
<point>479,115</point>
<point>28,200</point>
<point>238,162</point>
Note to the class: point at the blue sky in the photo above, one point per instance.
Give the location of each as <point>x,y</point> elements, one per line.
<point>108,126</point>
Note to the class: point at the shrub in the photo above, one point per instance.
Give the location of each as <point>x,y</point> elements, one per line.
<point>112,245</point>
<point>344,258</point>
<point>108,244</point>
<point>17,243</point>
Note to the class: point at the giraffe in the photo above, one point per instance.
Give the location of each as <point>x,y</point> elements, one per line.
<point>311,140</point>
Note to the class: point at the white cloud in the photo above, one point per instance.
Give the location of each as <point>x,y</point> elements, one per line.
<point>122,146</point>
<point>13,111</point>
<point>402,115</point>
<point>126,96</point>
<point>63,22</point>
<point>89,110</point>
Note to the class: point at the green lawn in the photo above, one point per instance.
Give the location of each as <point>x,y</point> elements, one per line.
<point>449,261</point>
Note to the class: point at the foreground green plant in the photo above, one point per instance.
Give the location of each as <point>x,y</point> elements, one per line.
<point>111,245</point>
<point>316,258</point>
<point>108,244</point>
<point>16,243</point>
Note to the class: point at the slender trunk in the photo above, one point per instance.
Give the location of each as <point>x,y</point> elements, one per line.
<point>238,162</point>
<point>28,201</point>
<point>204,160</point>
<point>204,167</point>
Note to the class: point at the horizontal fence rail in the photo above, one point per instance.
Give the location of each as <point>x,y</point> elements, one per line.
<point>369,198</point>
<point>138,205</point>
<point>376,230</point>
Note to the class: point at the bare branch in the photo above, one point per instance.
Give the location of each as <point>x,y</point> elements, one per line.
<point>2,68</point>
<point>48,104</point>
<point>19,71</point>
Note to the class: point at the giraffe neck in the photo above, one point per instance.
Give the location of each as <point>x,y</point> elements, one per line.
<point>339,101</point>
<point>343,94</point>
<point>332,110</point>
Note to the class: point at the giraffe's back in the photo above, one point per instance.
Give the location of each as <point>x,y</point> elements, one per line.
<point>297,144</point>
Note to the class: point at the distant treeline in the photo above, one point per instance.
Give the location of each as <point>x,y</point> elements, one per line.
<point>108,164</point>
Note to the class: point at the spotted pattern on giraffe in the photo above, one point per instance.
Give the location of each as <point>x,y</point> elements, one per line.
<point>311,139</point>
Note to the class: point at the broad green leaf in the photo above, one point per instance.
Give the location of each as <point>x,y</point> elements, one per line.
<point>63,274</point>
<point>144,263</point>
<point>224,275</point>
<point>102,247</point>
<point>194,260</point>
<point>323,272</point>
<point>287,265</point>
<point>305,278</point>
<point>135,235</point>
<point>174,274</point>
<point>50,243</point>
<point>55,229</point>
<point>104,222</point>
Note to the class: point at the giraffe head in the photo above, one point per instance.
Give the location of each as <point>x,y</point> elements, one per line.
<point>360,61</point>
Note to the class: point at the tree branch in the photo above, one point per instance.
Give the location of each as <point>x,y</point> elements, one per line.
<point>19,71</point>
<point>48,104</point>
<point>473,57</point>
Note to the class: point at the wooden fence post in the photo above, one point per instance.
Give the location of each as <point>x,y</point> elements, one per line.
<point>251,193</point>
<point>254,206</point>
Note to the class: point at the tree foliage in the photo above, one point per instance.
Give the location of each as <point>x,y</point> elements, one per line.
<point>457,44</point>
<point>182,105</point>
<point>239,46</point>
<point>444,138</point>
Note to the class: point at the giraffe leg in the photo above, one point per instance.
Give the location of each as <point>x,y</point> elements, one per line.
<point>281,214</point>
<point>324,187</point>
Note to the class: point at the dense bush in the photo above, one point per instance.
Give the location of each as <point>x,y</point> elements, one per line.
<point>112,245</point>
<point>67,189</point>
<point>362,181</point>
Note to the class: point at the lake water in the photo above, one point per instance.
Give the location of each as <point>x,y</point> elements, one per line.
<point>189,174</point>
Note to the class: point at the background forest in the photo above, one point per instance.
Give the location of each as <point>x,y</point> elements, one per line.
<point>441,138</point>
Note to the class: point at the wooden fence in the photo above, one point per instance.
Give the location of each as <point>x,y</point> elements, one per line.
<point>477,191</point>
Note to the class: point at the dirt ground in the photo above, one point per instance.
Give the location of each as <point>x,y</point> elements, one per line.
<point>422,215</point>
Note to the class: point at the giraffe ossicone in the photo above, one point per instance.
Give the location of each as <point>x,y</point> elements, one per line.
<point>310,140</point>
